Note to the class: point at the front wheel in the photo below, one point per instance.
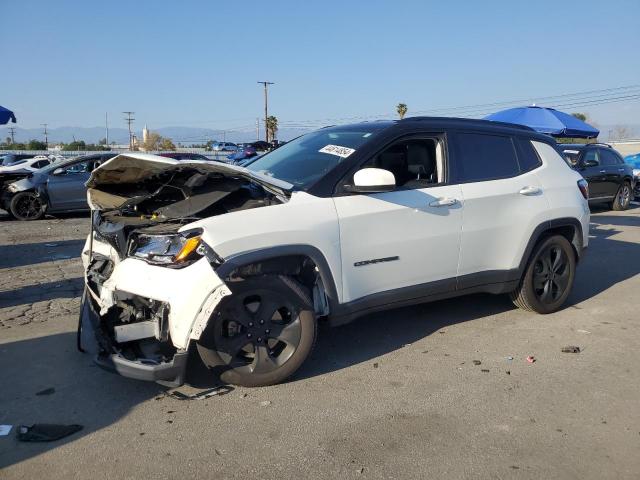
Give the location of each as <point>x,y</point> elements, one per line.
<point>623,197</point>
<point>261,334</point>
<point>548,279</point>
<point>27,206</point>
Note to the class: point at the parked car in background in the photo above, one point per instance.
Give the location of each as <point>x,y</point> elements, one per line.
<point>241,156</point>
<point>240,266</point>
<point>184,156</point>
<point>634,161</point>
<point>29,164</point>
<point>224,147</point>
<point>610,179</point>
<point>10,158</point>
<point>261,146</point>
<point>276,144</point>
<point>58,187</point>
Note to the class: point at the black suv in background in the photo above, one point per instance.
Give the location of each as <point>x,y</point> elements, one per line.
<point>610,179</point>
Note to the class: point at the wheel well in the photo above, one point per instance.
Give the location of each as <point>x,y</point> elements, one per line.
<point>571,233</point>
<point>301,268</point>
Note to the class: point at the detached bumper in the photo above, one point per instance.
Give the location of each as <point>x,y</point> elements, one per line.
<point>92,339</point>
<point>170,373</point>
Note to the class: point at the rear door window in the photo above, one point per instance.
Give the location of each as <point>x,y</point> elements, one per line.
<point>591,156</point>
<point>482,157</point>
<point>608,159</point>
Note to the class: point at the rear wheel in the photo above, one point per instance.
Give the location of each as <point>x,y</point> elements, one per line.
<point>27,206</point>
<point>623,197</point>
<point>548,278</point>
<point>261,334</point>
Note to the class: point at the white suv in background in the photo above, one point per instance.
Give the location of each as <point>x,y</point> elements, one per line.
<point>240,263</point>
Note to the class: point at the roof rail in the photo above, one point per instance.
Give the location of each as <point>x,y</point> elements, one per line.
<point>471,121</point>
<point>601,144</point>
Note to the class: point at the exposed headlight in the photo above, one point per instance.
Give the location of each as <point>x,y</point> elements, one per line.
<point>174,250</point>
<point>636,172</point>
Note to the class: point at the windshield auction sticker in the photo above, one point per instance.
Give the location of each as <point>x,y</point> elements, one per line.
<point>337,150</point>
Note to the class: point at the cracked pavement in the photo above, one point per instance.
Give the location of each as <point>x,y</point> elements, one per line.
<point>397,394</point>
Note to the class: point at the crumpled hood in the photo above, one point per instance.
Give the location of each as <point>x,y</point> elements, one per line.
<point>132,168</point>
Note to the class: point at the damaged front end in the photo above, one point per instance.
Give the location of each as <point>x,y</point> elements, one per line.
<point>151,282</point>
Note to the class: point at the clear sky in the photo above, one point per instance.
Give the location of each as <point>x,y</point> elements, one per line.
<point>196,63</point>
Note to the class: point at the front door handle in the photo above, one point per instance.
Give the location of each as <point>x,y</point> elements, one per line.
<point>530,191</point>
<point>603,171</point>
<point>443,202</point>
<point>621,169</point>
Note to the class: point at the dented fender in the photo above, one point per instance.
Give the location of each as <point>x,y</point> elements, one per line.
<point>192,293</point>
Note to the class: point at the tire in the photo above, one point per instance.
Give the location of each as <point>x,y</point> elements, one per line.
<point>261,333</point>
<point>623,197</point>
<point>27,206</point>
<point>548,278</point>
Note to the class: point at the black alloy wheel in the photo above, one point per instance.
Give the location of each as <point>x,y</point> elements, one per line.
<point>261,334</point>
<point>548,277</point>
<point>27,206</point>
<point>551,274</point>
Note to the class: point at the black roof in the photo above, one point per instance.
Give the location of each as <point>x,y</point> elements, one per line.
<point>449,123</point>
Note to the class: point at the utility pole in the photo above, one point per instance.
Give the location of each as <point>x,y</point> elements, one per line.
<point>129,119</point>
<point>257,129</point>
<point>46,138</point>
<point>106,128</point>
<point>266,112</point>
<point>12,132</point>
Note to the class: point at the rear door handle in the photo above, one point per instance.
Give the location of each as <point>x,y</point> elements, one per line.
<point>530,191</point>
<point>443,202</point>
<point>621,169</point>
<point>603,171</point>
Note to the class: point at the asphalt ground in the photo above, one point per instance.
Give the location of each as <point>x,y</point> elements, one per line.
<point>392,395</point>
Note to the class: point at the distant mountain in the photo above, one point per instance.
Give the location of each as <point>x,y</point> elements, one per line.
<point>184,135</point>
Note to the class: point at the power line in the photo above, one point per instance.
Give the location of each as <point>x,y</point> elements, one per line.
<point>266,115</point>
<point>129,119</point>
<point>46,138</point>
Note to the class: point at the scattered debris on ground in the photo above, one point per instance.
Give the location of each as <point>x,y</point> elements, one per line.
<point>485,370</point>
<point>570,349</point>
<point>477,362</point>
<point>531,359</point>
<point>266,403</point>
<point>375,365</point>
<point>45,432</point>
<point>220,390</point>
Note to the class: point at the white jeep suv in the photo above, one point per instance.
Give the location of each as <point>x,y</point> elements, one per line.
<point>239,264</point>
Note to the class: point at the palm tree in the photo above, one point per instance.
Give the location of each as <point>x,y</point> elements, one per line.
<point>272,127</point>
<point>402,110</point>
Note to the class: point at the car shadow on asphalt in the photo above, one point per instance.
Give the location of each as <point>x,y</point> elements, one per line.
<point>34,253</point>
<point>384,332</point>
<point>608,260</point>
<point>84,394</point>
<point>41,292</point>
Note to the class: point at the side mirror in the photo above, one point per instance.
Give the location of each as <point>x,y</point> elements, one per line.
<point>59,171</point>
<point>590,163</point>
<point>373,180</point>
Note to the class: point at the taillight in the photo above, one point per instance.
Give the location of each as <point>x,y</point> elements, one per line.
<point>584,188</point>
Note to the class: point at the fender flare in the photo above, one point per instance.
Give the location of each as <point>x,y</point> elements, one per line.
<point>540,230</point>
<point>246,258</point>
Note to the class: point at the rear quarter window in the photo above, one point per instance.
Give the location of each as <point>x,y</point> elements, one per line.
<point>481,157</point>
<point>527,156</point>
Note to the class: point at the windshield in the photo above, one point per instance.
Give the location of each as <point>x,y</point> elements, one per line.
<point>308,158</point>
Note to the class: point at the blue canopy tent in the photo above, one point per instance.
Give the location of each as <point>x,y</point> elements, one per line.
<point>546,120</point>
<point>6,115</point>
